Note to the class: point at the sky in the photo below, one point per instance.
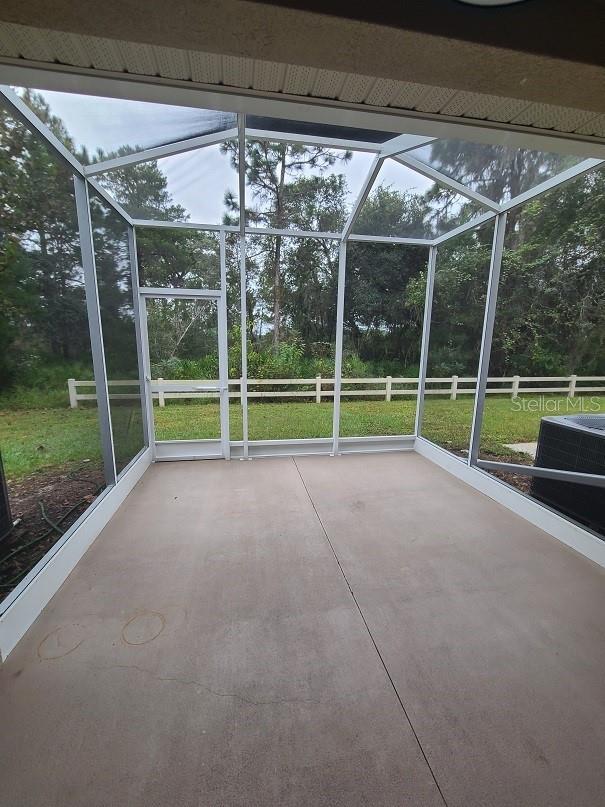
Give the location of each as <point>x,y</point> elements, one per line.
<point>198,179</point>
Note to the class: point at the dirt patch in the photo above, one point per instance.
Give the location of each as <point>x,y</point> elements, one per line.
<point>44,505</point>
<point>519,481</point>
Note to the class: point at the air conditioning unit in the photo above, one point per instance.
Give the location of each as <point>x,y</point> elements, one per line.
<point>572,443</point>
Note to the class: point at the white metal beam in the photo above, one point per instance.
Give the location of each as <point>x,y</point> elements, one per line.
<point>110,200</point>
<point>554,182</point>
<point>391,239</point>
<point>448,182</point>
<point>187,294</point>
<point>184,225</point>
<point>313,140</point>
<point>469,225</point>
<point>426,333</point>
<point>486,336</point>
<point>595,480</point>
<point>243,284</point>
<point>363,195</point>
<point>404,142</point>
<point>22,112</point>
<point>291,233</point>
<point>340,307</point>
<point>158,152</point>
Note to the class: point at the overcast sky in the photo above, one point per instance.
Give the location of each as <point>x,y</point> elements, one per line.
<point>198,179</point>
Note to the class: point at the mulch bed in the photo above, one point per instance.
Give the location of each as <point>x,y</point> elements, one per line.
<point>44,505</point>
<point>519,481</point>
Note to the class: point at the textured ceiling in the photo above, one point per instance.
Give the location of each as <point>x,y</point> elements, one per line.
<point>45,46</point>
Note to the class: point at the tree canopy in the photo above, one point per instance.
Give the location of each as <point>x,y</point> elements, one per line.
<point>551,312</point>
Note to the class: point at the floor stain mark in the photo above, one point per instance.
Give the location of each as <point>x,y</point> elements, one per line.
<point>131,627</point>
<point>44,656</point>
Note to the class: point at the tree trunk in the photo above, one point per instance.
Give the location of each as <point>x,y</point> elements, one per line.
<point>277,291</point>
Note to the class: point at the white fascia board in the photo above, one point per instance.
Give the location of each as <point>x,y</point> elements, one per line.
<point>90,81</point>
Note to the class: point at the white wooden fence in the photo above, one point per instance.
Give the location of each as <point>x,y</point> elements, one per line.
<point>320,388</point>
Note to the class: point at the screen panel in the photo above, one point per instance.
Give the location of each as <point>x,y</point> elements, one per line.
<point>383,311</point>
<point>116,303</point>
<point>459,294</point>
<point>50,441</point>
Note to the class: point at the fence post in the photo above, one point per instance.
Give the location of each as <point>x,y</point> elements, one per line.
<point>387,395</point>
<point>73,397</point>
<point>454,388</point>
<point>161,399</point>
<point>572,386</point>
<point>515,389</point>
<point>317,389</point>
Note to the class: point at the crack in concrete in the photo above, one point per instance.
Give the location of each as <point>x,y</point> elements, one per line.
<point>193,682</point>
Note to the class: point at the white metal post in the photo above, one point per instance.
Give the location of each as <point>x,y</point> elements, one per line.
<point>241,126</point>
<point>134,274</point>
<point>147,372</point>
<point>340,309</point>
<point>223,354</point>
<point>95,327</point>
<point>426,332</point>
<point>487,334</point>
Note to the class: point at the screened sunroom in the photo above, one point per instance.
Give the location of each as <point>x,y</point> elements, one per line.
<point>397,340</point>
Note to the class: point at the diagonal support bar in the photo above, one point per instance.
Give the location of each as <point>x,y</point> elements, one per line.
<point>363,195</point>
<point>168,150</point>
<point>431,173</point>
<point>404,142</point>
<point>487,335</point>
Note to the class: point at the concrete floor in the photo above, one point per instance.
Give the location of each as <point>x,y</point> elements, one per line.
<point>365,630</point>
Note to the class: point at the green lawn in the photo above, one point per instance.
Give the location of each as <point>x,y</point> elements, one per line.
<point>39,438</point>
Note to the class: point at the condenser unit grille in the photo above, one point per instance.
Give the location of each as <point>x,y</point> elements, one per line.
<point>573,443</point>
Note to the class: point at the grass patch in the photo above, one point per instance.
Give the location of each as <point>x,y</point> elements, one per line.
<point>32,439</point>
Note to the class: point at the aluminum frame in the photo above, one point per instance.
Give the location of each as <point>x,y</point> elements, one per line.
<point>394,148</point>
<point>26,601</point>
<point>95,328</point>
<point>219,297</point>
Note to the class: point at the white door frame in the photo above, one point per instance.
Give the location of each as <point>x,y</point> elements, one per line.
<point>189,449</point>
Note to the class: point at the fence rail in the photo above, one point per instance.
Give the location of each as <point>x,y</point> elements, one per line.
<point>321,388</point>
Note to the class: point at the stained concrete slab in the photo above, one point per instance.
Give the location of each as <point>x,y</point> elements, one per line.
<point>207,651</point>
<point>492,631</point>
